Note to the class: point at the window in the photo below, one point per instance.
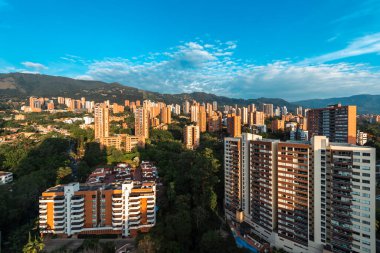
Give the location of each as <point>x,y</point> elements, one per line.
<point>366,175</point>
<point>366,154</point>
<point>365,161</point>
<point>366,195</point>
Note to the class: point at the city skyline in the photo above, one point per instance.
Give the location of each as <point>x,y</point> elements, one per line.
<point>243,50</point>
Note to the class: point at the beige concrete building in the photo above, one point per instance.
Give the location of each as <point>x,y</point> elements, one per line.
<point>191,137</point>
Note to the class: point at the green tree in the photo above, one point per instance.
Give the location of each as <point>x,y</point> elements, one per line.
<point>33,246</point>
<point>62,173</point>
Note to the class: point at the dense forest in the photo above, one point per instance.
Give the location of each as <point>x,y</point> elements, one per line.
<point>189,217</point>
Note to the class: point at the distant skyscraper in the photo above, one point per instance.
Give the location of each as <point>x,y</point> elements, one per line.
<point>166,116</point>
<point>268,110</point>
<point>142,122</point>
<point>244,115</point>
<point>215,106</point>
<point>191,137</point>
<point>336,122</point>
<point>233,125</point>
<point>202,119</point>
<point>186,107</point>
<point>284,111</point>
<point>194,112</point>
<point>277,112</point>
<point>299,111</point>
<point>101,119</point>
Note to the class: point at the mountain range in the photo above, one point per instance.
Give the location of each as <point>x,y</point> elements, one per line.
<point>22,85</point>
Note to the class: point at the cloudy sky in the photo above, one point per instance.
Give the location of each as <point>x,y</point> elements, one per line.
<point>247,49</point>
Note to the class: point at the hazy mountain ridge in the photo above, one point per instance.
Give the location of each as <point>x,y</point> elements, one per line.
<point>22,85</point>
<point>365,103</point>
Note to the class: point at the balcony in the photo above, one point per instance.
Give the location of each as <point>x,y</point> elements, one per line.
<point>134,212</point>
<point>117,209</point>
<point>115,213</point>
<point>133,218</point>
<point>117,199</point>
<point>77,205</point>
<point>77,220</point>
<point>133,223</point>
<point>77,201</point>
<point>77,215</point>
<point>59,201</point>
<point>117,223</point>
<point>59,210</point>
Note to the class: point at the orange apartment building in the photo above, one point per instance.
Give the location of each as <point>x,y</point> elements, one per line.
<point>166,115</point>
<point>101,118</point>
<point>278,125</point>
<point>202,119</point>
<point>233,125</point>
<point>120,208</point>
<point>191,137</point>
<point>214,123</point>
<point>337,122</point>
<point>116,108</point>
<point>123,142</point>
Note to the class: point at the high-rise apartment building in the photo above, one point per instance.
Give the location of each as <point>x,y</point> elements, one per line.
<point>191,137</point>
<point>142,122</point>
<point>278,125</point>
<point>166,115</point>
<point>244,115</point>
<point>299,110</point>
<point>215,106</point>
<point>120,208</point>
<point>214,123</point>
<point>256,118</point>
<point>194,113</point>
<point>101,118</point>
<point>233,125</point>
<point>268,110</point>
<point>337,122</point>
<point>313,196</point>
<point>202,119</point>
<point>186,107</point>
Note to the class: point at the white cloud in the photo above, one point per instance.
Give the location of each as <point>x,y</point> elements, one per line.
<point>34,65</point>
<point>364,45</point>
<point>84,77</point>
<point>196,66</point>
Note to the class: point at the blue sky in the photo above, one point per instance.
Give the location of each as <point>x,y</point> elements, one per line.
<point>289,49</point>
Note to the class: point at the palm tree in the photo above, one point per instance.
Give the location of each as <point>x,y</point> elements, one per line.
<point>33,246</point>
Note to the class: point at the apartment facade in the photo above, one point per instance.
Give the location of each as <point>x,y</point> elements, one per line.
<point>101,119</point>
<point>142,122</point>
<point>313,196</point>
<point>234,125</point>
<point>191,137</point>
<point>337,122</point>
<point>123,209</point>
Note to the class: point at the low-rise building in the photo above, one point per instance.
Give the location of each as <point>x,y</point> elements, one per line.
<point>6,177</point>
<point>120,208</point>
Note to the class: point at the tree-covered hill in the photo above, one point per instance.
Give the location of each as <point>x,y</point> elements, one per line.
<point>21,85</point>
